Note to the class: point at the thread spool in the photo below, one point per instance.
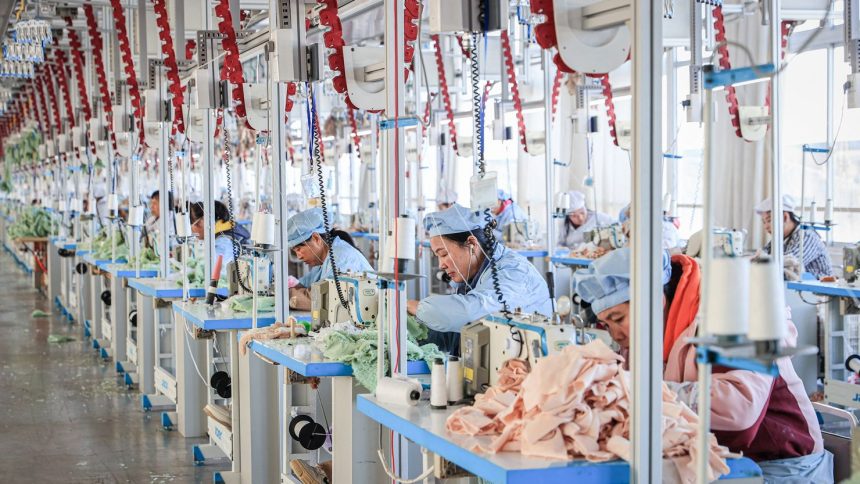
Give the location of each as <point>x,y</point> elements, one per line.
<point>728,297</point>
<point>852,364</point>
<point>307,433</point>
<point>105,297</point>
<point>221,382</point>
<point>402,236</point>
<point>767,315</point>
<point>263,228</point>
<point>454,379</point>
<point>183,225</point>
<point>113,203</point>
<point>398,391</point>
<point>135,216</point>
<point>438,385</point>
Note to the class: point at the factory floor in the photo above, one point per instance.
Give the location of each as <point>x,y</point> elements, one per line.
<point>64,417</point>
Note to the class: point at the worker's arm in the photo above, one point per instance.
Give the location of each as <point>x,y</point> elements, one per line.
<point>412,306</point>
<point>452,312</point>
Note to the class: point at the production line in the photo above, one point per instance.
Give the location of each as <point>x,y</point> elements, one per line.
<point>362,241</point>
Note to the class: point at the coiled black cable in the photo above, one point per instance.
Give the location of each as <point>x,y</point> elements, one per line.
<point>316,133</point>
<point>477,100</point>
<point>228,175</point>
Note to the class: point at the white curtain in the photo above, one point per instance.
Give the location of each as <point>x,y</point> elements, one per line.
<point>742,169</point>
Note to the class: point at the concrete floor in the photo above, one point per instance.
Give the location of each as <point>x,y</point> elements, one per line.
<point>64,417</point>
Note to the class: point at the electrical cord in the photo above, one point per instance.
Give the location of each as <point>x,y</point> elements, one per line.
<point>491,223</point>
<point>316,135</point>
<point>229,177</point>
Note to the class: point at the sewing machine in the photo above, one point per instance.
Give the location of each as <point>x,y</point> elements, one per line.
<point>609,237</point>
<point>486,344</point>
<point>242,284</point>
<point>731,241</point>
<point>850,262</point>
<point>362,299</point>
<point>522,233</point>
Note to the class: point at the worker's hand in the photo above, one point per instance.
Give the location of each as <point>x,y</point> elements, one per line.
<point>412,307</point>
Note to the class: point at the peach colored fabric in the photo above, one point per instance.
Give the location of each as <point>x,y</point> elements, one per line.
<point>291,329</point>
<point>575,404</point>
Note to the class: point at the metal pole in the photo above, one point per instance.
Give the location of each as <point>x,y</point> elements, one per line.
<point>209,165</point>
<point>646,282</point>
<point>830,135</point>
<point>179,29</point>
<point>672,127</point>
<point>141,29</point>
<point>703,441</point>
<point>548,75</point>
<point>776,134</point>
<point>394,166</point>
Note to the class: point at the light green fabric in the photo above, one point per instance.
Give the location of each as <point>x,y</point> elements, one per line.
<point>59,338</point>
<point>359,351</point>
<point>244,304</point>
<point>38,313</point>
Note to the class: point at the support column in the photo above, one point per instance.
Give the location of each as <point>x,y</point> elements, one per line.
<point>646,284</point>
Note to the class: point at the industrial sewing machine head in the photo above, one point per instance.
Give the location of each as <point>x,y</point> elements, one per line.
<point>242,280</point>
<point>522,233</point>
<point>360,292</point>
<point>486,344</point>
<point>850,262</point>
<point>731,241</point>
<point>609,237</point>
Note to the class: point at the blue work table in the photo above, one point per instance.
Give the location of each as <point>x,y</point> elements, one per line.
<point>123,269</point>
<point>837,289</point>
<point>426,428</point>
<point>314,364</point>
<point>168,289</point>
<point>219,317</point>
<point>571,261</point>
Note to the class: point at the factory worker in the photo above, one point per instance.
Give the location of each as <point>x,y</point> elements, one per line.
<point>816,260</point>
<point>580,221</point>
<point>457,239</point>
<point>99,195</point>
<point>507,211</point>
<point>152,223</point>
<point>671,237</point>
<point>768,419</point>
<point>445,199</point>
<point>306,239</point>
<point>226,231</point>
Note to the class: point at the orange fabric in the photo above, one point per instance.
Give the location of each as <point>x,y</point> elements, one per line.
<point>685,304</point>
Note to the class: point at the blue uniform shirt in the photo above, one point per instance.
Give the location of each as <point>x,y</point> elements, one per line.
<point>522,287</point>
<point>346,257</point>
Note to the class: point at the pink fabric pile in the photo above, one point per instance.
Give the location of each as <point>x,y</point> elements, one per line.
<point>290,329</point>
<point>575,404</point>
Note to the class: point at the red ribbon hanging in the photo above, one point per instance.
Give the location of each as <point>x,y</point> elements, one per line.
<point>726,64</point>
<point>333,39</point>
<point>42,105</point>
<point>78,62</point>
<point>353,127</point>
<point>515,89</point>
<point>128,65</point>
<point>63,83</point>
<point>610,107</point>
<point>55,105</point>
<point>556,88</point>
<point>98,60</point>
<point>32,107</point>
<point>232,67</point>
<point>190,47</point>
<point>443,88</point>
<point>174,84</point>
